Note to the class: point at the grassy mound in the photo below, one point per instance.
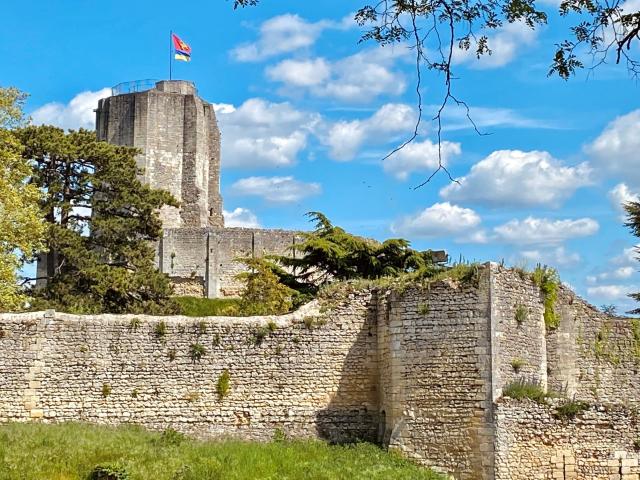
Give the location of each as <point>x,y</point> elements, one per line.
<point>208,307</point>
<point>79,451</point>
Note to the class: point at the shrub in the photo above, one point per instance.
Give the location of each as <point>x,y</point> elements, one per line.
<point>224,384</point>
<point>197,351</point>
<point>521,314</point>
<point>109,471</point>
<point>546,278</point>
<point>569,409</point>
<point>263,294</point>
<point>521,389</point>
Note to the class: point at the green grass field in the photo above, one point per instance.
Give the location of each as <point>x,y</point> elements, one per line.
<point>72,451</point>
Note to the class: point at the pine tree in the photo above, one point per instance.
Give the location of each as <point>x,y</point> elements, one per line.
<point>101,222</point>
<point>633,222</point>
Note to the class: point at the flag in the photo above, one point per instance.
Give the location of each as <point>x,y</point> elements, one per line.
<point>182,50</point>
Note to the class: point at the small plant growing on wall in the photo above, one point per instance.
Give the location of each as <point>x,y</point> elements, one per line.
<point>224,384</point>
<point>517,364</point>
<point>569,409</point>
<point>197,351</point>
<point>521,314</point>
<point>171,354</point>
<point>135,393</point>
<point>216,340</point>
<point>134,324</point>
<point>201,328</point>
<point>2,333</point>
<point>272,326</point>
<point>161,330</point>
<point>192,397</point>
<point>423,309</point>
<point>106,390</point>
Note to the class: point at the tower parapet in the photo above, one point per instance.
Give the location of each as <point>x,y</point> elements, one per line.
<point>178,135</point>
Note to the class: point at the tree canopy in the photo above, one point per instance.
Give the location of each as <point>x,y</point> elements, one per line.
<point>21,226</point>
<point>633,223</point>
<point>100,222</point>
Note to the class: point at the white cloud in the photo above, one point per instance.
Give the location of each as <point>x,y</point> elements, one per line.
<point>543,231</point>
<point>611,292</point>
<point>259,133</point>
<point>345,138</point>
<point>512,177</point>
<point>628,257</point>
<point>419,156</point>
<point>504,43</point>
<point>78,113</point>
<point>357,78</point>
<point>455,118</point>
<point>240,217</point>
<point>558,256</point>
<point>621,273</point>
<point>617,149</point>
<point>275,189</point>
<point>282,34</point>
<point>440,219</point>
<point>619,196</point>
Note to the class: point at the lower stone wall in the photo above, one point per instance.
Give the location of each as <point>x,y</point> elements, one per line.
<point>307,374</point>
<point>533,443</point>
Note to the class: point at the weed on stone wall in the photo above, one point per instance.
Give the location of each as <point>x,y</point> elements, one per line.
<point>171,354</point>
<point>197,351</point>
<point>517,364</point>
<point>546,278</point>
<point>134,324</point>
<point>311,322</point>
<point>521,314</point>
<point>192,397</point>
<point>603,349</point>
<point>569,409</point>
<point>423,309</point>
<point>161,331</point>
<point>224,384</point>
<point>201,327</point>
<point>635,328</point>
<point>106,390</point>
<point>522,388</point>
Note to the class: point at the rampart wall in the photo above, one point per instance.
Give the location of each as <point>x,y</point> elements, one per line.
<point>419,369</point>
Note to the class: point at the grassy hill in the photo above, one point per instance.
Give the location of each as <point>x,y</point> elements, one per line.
<point>73,451</point>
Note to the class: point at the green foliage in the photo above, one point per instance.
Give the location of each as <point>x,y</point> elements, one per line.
<point>521,315</point>
<point>171,354</point>
<point>462,272</point>
<point>208,307</point>
<point>423,309</point>
<point>522,388</point>
<point>106,390</point>
<point>517,364</point>
<point>172,437</point>
<point>100,225</point>
<point>570,408</point>
<point>160,330</point>
<point>197,351</point>
<point>633,223</point>
<point>109,471</point>
<point>312,322</point>
<point>72,450</point>
<point>201,328</point>
<point>259,334</point>
<point>21,226</point>
<point>635,329</point>
<point>546,278</point>
<point>263,294</point>
<point>224,384</point>
<point>609,310</point>
<point>272,326</point>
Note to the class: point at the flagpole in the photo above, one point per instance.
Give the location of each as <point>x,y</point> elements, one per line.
<point>170,40</point>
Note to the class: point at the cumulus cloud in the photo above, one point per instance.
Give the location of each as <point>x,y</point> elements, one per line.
<point>260,133</point>
<point>619,196</point>
<point>610,292</point>
<point>345,138</point>
<point>558,256</point>
<point>504,43</point>
<point>628,257</point>
<point>419,156</point>
<point>543,231</point>
<point>621,273</point>
<point>616,149</point>
<point>357,78</point>
<point>78,113</point>
<point>275,189</point>
<point>512,177</point>
<point>240,217</point>
<point>278,35</point>
<point>438,220</point>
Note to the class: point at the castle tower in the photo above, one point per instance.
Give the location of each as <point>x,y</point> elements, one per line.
<point>178,135</point>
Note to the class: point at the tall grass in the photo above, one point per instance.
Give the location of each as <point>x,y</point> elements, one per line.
<point>71,451</point>
<point>208,307</point>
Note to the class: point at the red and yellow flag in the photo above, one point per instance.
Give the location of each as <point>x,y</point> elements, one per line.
<point>182,50</point>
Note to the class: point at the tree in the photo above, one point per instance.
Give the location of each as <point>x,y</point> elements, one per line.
<point>263,294</point>
<point>331,253</point>
<point>435,29</point>
<point>100,221</point>
<point>21,227</point>
<point>633,223</point>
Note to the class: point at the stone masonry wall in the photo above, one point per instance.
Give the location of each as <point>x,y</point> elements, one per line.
<point>533,443</point>
<point>314,375</point>
<point>435,376</point>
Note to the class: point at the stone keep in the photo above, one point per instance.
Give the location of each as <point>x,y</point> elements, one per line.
<point>178,135</point>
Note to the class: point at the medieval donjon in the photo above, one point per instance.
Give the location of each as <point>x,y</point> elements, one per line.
<point>178,135</point>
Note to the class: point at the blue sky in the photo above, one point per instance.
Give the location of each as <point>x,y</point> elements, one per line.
<point>307,114</point>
